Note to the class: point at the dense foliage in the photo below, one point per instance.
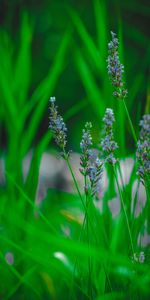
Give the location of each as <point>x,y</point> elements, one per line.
<point>88,239</point>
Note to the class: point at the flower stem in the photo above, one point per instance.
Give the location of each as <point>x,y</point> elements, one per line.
<point>130,122</point>
<point>74,179</point>
<point>87,203</point>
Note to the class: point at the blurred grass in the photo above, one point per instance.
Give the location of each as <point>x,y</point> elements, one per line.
<point>44,252</point>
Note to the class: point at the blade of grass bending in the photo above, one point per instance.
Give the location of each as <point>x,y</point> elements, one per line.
<point>35,208</point>
<point>10,108</point>
<point>33,174</point>
<point>87,40</point>
<point>23,62</point>
<point>75,109</point>
<point>90,85</point>
<point>139,79</point>
<point>46,85</point>
<point>12,268</point>
<point>6,75</point>
<point>41,95</point>
<point>101,26</point>
<point>6,51</point>
<point>23,280</point>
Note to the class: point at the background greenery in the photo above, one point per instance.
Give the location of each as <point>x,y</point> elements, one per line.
<point>60,48</point>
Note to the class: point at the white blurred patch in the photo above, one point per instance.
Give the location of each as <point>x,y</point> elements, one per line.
<point>64,259</point>
<point>115,206</point>
<point>139,194</point>
<point>126,167</point>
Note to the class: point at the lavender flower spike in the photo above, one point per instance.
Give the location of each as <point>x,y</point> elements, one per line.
<point>108,144</point>
<point>57,125</point>
<point>95,172</point>
<point>90,163</point>
<point>143,150</point>
<point>115,68</point>
<point>85,146</point>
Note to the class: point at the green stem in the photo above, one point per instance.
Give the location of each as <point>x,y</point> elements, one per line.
<point>88,240</point>
<point>74,179</point>
<point>124,210</point>
<point>147,189</point>
<point>130,122</point>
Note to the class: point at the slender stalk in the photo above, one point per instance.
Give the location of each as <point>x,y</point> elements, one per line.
<point>135,200</point>
<point>88,237</point>
<point>130,122</point>
<point>74,179</point>
<point>124,210</point>
<point>147,194</point>
<point>120,173</point>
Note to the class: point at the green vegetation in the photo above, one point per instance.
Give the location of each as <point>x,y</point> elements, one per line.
<point>71,245</point>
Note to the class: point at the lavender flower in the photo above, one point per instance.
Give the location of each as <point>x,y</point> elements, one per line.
<point>85,146</point>
<point>145,127</point>
<point>143,150</point>
<point>57,125</point>
<point>95,173</point>
<point>90,163</point>
<point>108,144</point>
<point>115,68</point>
<point>139,257</point>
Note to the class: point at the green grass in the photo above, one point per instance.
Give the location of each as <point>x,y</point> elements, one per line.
<point>67,248</point>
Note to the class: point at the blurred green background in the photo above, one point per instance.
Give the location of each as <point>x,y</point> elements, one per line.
<point>59,48</point>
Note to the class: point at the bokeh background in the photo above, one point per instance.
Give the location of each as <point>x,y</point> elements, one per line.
<point>59,48</point>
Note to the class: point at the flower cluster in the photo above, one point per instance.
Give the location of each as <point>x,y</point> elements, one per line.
<point>108,144</point>
<point>115,68</point>
<point>143,149</point>
<point>95,172</point>
<point>139,257</point>
<point>85,146</point>
<point>90,163</point>
<point>57,125</point>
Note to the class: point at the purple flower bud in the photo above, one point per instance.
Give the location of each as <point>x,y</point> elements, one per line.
<point>57,125</point>
<point>90,163</point>
<point>115,68</point>
<point>143,150</point>
<point>85,146</point>
<point>108,144</point>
